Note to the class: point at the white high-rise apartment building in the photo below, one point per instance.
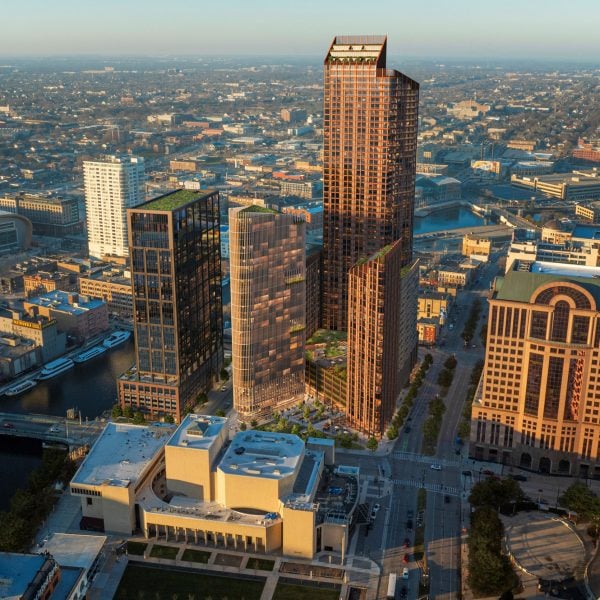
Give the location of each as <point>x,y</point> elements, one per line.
<point>112,185</point>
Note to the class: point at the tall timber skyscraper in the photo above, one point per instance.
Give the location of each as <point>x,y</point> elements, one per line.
<point>112,185</point>
<point>268,306</point>
<point>174,241</point>
<point>370,139</point>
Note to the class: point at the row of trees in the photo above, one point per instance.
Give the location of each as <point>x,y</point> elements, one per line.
<point>407,403</point>
<point>29,507</point>
<point>580,499</point>
<point>471,324</point>
<point>447,373</point>
<point>490,571</point>
<point>432,425</point>
<point>464,427</point>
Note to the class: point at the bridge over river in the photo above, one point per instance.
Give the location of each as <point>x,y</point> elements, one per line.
<point>50,429</point>
<point>490,231</point>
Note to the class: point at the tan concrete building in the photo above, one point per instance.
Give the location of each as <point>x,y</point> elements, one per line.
<point>433,305</point>
<point>578,185</point>
<point>589,211</point>
<point>264,492</point>
<point>268,309</point>
<point>476,246</point>
<point>41,282</point>
<point>538,404</point>
<point>380,290</point>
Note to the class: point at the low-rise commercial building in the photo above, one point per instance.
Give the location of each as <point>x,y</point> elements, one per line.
<point>578,185</point>
<point>263,492</point>
<point>428,330</point>
<point>588,211</point>
<point>476,246</point>
<point>42,282</point>
<point>28,576</point>
<point>77,315</point>
<point>113,288</point>
<point>40,330</point>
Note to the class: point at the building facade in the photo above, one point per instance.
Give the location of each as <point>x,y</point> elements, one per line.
<point>537,406</point>
<point>111,187</point>
<point>380,290</point>
<point>49,216</point>
<point>369,158</point>
<point>268,309</point>
<point>177,310</point>
<point>113,288</point>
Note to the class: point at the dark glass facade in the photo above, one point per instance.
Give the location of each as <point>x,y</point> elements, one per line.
<point>176,277</point>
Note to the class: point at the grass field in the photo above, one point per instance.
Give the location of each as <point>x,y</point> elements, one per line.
<point>140,582</point>
<point>199,556</point>
<point>288,591</point>
<point>136,548</point>
<point>262,564</point>
<point>164,552</point>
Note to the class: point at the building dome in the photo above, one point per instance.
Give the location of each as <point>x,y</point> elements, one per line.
<point>15,232</point>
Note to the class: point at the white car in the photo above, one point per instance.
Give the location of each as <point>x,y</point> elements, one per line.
<point>405,573</point>
<point>376,507</point>
<point>436,467</point>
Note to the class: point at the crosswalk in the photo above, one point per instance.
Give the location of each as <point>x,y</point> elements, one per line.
<point>413,457</point>
<point>430,487</point>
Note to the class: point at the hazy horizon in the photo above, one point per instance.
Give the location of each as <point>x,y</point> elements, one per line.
<point>524,30</point>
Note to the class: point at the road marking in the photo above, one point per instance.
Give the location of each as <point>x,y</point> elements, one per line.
<point>414,457</point>
<point>430,487</point>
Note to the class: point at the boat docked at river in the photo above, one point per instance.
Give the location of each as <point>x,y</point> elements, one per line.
<point>89,354</point>
<point>56,367</point>
<point>19,388</point>
<point>116,338</point>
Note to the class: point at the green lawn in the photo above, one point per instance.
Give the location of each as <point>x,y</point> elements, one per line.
<point>288,591</point>
<point>262,564</point>
<point>164,552</point>
<point>199,556</point>
<point>140,582</point>
<point>136,548</point>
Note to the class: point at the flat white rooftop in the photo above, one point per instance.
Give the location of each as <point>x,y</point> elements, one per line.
<point>263,454</point>
<point>551,268</point>
<point>198,431</point>
<point>121,454</point>
<point>74,550</point>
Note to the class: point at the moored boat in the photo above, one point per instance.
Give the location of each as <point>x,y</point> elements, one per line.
<point>56,367</point>
<point>89,354</point>
<point>19,388</point>
<point>116,338</point>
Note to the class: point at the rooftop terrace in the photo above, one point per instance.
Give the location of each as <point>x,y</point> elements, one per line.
<point>121,454</point>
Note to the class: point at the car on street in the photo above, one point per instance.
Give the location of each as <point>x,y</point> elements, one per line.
<point>8,425</point>
<point>518,477</point>
<point>405,573</point>
<point>376,507</point>
<point>406,542</point>
<point>436,467</point>
<point>373,515</point>
<point>224,388</point>
<point>54,429</point>
<point>406,559</point>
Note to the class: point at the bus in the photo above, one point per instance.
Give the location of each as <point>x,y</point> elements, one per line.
<point>391,591</point>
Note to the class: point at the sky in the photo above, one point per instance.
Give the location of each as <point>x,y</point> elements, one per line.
<point>440,29</point>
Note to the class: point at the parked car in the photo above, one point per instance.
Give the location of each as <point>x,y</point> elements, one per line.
<point>436,467</point>
<point>376,507</point>
<point>8,425</point>
<point>406,542</point>
<point>405,559</point>
<point>405,573</point>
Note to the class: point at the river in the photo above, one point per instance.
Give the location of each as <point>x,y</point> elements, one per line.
<point>90,387</point>
<point>447,218</point>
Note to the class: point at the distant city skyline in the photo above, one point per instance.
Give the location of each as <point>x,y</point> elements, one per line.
<point>535,29</point>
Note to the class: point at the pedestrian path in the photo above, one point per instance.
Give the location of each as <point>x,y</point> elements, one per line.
<point>430,487</point>
<point>420,458</point>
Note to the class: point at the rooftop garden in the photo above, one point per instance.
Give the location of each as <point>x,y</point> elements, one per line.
<point>255,208</point>
<point>174,200</point>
